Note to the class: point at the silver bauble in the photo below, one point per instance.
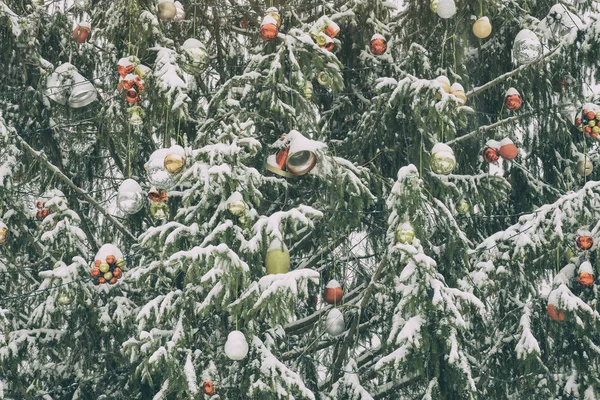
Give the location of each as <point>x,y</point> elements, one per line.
<point>130,197</point>
<point>526,47</point>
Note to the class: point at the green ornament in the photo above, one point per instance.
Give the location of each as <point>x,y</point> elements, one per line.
<point>442,160</point>
<point>277,260</point>
<point>463,207</point>
<point>104,267</point>
<point>159,210</point>
<point>308,91</point>
<point>64,298</point>
<point>405,233</point>
<point>108,276</point>
<point>324,79</point>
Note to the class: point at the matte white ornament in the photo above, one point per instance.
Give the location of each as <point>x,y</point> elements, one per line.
<point>130,197</point>
<point>236,346</point>
<point>526,47</point>
<point>446,8</point>
<point>334,323</point>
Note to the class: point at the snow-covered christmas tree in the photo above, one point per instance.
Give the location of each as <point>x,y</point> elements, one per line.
<point>299,199</point>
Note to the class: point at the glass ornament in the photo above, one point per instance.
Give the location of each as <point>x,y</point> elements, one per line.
<point>166,10</point>
<point>136,117</point>
<point>194,57</point>
<point>155,169</point>
<point>378,44</point>
<point>526,47</point>
<point>508,150</point>
<point>334,323</point>
<point>482,28</point>
<point>130,197</point>
<point>64,298</point>
<point>82,32</point>
<point>333,292</point>
<point>458,91</point>
<point>277,260</point>
<point>324,79</point>
<point>442,159</point>
<point>584,165</point>
<point>405,233</point>
<point>180,13</point>
<point>159,210</point>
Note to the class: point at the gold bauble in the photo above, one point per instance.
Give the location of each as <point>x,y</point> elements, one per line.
<point>405,233</point>
<point>237,208</point>
<point>277,260</point>
<point>64,298</point>
<point>584,166</point>
<point>166,10</point>
<point>482,28</point>
<point>174,163</point>
<point>3,234</point>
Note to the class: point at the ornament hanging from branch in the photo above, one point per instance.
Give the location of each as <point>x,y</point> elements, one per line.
<point>526,47</point>
<point>236,347</point>
<point>277,260</point>
<point>108,264</point>
<point>166,10</point>
<point>269,27</point>
<point>491,152</point>
<point>554,313</point>
<point>588,120</point>
<point>442,159</point>
<point>158,209</point>
<point>67,86</point>
<point>180,12</point>
<point>378,44</point>
<point>164,165</point>
<point>208,388</point>
<point>194,57</point>
<point>585,274</point>
<point>334,323</point>
<point>508,150</point>
<point>444,8</point>
<point>458,91</point>
<point>482,28</point>
<point>584,165</point>
<point>297,157</point>
<point>130,197</point>
<point>405,233</point>
<point>513,100</point>
<point>3,232</point>
<point>584,240</point>
<point>82,32</point>
<point>333,292</point>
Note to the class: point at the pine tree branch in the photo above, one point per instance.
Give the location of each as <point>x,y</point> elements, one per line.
<point>503,77</point>
<point>485,128</point>
<point>54,169</point>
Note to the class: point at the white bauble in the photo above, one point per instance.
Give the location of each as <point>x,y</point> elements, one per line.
<point>130,197</point>
<point>526,47</point>
<point>334,323</point>
<point>236,346</point>
<point>446,8</point>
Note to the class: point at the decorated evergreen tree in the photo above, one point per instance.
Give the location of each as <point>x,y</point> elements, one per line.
<point>298,199</point>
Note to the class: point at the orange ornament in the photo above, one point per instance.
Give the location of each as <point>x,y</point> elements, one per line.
<point>40,205</point>
<point>95,272</point>
<point>508,149</point>
<point>110,259</point>
<point>113,280</point>
<point>578,121</point>
<point>587,130</point>
<point>101,280</point>
<point>333,292</point>
<point>378,45</point>
<point>209,388</point>
<point>332,30</point>
<point>97,263</point>
<point>125,70</point>
<point>590,115</point>
<point>584,242</point>
<point>39,214</point>
<point>585,278</point>
<point>491,155</point>
<point>268,31</point>
<point>281,158</point>
<point>556,315</point>
<point>132,96</point>
<point>45,212</point>
<point>118,273</point>
<point>513,99</point>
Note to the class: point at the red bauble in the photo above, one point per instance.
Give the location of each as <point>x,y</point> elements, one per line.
<point>333,292</point>
<point>508,150</point>
<point>82,33</point>
<point>584,242</point>
<point>491,155</point>
<point>556,315</point>
<point>208,388</point>
<point>269,31</point>
<point>378,45</point>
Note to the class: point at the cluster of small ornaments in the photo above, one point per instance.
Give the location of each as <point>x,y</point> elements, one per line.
<point>82,32</point>
<point>295,158</point>
<point>494,150</point>
<point>108,265</point>
<point>456,89</point>
<point>512,99</point>
<point>131,82</point>
<point>52,200</point>
<point>442,160</point>
<point>269,27</point>
<point>169,10</point>
<point>323,31</point>
<point>588,119</point>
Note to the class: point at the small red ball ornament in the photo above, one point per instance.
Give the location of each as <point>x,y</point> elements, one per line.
<point>491,155</point>
<point>83,32</point>
<point>333,292</point>
<point>584,242</point>
<point>555,314</point>
<point>513,99</point>
<point>378,45</point>
<point>508,150</point>
<point>208,388</point>
<point>268,28</point>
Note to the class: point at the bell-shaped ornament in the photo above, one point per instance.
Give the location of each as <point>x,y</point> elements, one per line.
<point>334,323</point>
<point>277,260</point>
<point>159,210</point>
<point>166,10</point>
<point>194,57</point>
<point>301,158</point>
<point>236,347</point>
<point>136,115</point>
<point>442,159</point>
<point>405,233</point>
<point>526,47</point>
<point>130,197</point>
<point>125,67</point>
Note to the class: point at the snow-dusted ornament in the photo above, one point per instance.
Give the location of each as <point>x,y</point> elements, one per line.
<point>555,313</point>
<point>136,115</point>
<point>274,13</point>
<point>512,99</point>
<point>297,158</point>
<point>208,388</point>
<point>82,32</point>
<point>378,44</point>
<point>67,86</point>
<point>463,207</point>
<point>125,66</point>
<point>269,29</point>
<point>458,91</point>
<point>584,240</point>
<point>442,159</point>
<point>405,233</point>
<point>585,274</point>
<point>3,232</point>
<point>236,346</point>
<point>180,13</point>
<point>324,79</point>
<point>334,323</point>
<point>166,10</point>
<point>325,42</point>
<point>491,151</point>
<point>236,205</point>
<point>164,165</point>
<point>108,264</point>
<point>64,298</point>
<point>174,162</point>
<point>444,83</point>
<point>159,210</point>
<point>194,57</point>
<point>482,28</point>
<point>333,292</point>
<point>559,23</point>
<point>588,119</point>
<point>130,197</point>
<point>508,150</point>
<point>446,8</point>
<point>526,47</point>
<point>277,260</point>
<point>324,25</point>
<point>584,165</point>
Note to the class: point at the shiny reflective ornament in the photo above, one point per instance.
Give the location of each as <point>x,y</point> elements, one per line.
<point>491,152</point>
<point>208,388</point>
<point>3,232</point>
<point>64,298</point>
<point>585,274</point>
<point>324,79</point>
<point>584,240</point>
<point>174,163</point>
<point>446,8</point>
<point>277,260</point>
<point>130,197</point>
<point>444,83</point>
<point>405,233</point>
<point>276,164</point>
<point>82,32</point>
<point>180,13</point>
<point>526,47</point>
<point>378,44</point>
<point>300,160</point>
<point>332,29</point>
<point>159,210</point>
<point>136,117</point>
<point>442,159</point>
<point>236,347</point>
<point>67,86</point>
<point>274,13</point>
<point>155,168</point>
<point>458,91</point>
<point>166,10</point>
<point>125,67</point>
<point>482,28</point>
<point>334,323</point>
<point>268,28</point>
<point>236,205</point>
<point>194,57</point>
<point>463,207</point>
<point>333,292</point>
<point>308,90</point>
<point>513,100</point>
<point>508,150</point>
<point>584,166</point>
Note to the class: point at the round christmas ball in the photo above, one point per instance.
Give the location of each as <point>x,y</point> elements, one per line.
<point>378,44</point>
<point>508,150</point>
<point>236,346</point>
<point>166,10</point>
<point>463,207</point>
<point>482,28</point>
<point>444,83</point>
<point>334,323</point>
<point>333,292</point>
<point>458,91</point>
<point>446,8</point>
<point>405,233</point>
<point>277,260</point>
<point>194,57</point>
<point>180,13</point>
<point>584,241</point>
<point>3,232</point>
<point>104,267</point>
<point>174,163</point>
<point>268,28</point>
<point>64,298</point>
<point>442,160</point>
<point>585,274</point>
<point>155,168</point>
<point>130,197</point>
<point>82,32</point>
<point>491,152</point>
<point>274,13</point>
<point>584,165</point>
<point>526,47</point>
<point>513,100</point>
<point>208,388</point>
<point>95,272</point>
